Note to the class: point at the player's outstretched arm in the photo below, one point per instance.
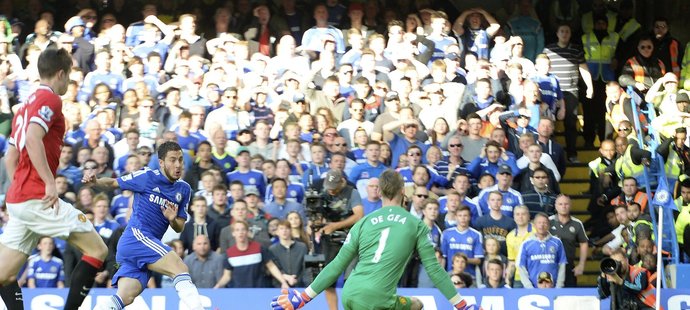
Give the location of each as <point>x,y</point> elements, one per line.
<point>102,184</point>
<point>436,273</point>
<point>292,299</point>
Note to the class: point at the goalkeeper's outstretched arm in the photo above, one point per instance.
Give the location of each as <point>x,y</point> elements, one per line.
<point>436,273</point>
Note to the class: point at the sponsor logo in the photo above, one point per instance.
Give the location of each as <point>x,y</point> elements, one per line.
<point>46,113</point>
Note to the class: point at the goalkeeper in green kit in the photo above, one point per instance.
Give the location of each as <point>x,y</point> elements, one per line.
<point>384,242</point>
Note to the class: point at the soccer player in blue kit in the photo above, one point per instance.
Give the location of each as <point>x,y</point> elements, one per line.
<point>161,198</point>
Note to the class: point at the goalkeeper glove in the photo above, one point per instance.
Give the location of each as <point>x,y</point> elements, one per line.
<point>462,305</point>
<point>290,300</point>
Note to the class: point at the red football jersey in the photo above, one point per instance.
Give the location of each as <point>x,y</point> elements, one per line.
<point>44,108</point>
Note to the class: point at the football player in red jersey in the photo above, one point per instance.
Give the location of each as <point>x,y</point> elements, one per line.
<point>35,210</point>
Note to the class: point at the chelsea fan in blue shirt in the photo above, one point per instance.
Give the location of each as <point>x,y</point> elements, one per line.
<point>160,200</point>
<point>542,252</point>
<point>45,270</point>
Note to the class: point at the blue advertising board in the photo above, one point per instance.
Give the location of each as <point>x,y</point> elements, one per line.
<point>249,299</point>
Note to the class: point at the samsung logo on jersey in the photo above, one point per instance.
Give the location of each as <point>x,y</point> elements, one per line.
<point>45,276</point>
<point>461,246</point>
<point>161,201</point>
<point>544,258</point>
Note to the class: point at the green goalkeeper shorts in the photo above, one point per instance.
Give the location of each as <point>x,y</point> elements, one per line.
<point>401,303</point>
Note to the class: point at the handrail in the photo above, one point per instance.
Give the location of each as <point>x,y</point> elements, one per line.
<point>653,144</point>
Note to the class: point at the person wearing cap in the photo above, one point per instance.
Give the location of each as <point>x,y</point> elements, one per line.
<point>83,50</point>
<point>504,181</point>
<point>392,107</point>
<point>544,280</point>
<point>541,252</point>
<point>337,192</point>
<point>243,173</point>
<point>666,123</point>
<point>663,94</point>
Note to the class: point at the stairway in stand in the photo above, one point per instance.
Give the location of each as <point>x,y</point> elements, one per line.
<point>575,184</point>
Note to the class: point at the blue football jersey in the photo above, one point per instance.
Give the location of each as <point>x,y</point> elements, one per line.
<point>468,241</point>
<point>252,178</point>
<point>118,209</point>
<point>511,199</point>
<point>152,190</point>
<point>537,256</point>
<point>46,273</point>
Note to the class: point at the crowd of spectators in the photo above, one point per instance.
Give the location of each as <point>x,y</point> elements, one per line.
<point>272,102</point>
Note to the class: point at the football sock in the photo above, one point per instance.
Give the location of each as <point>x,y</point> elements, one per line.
<point>12,296</point>
<point>82,281</point>
<point>187,291</point>
<point>113,303</point>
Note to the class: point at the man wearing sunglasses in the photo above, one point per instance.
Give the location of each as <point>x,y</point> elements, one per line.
<point>643,69</point>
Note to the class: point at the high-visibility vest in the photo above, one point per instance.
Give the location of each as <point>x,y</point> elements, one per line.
<point>674,51</point>
<point>630,27</point>
<point>588,21</point>
<point>685,71</point>
<point>646,295</point>
<point>683,219</point>
<point>597,166</point>
<point>673,165</point>
<point>599,55</point>
<point>640,198</point>
<point>639,72</point>
<point>626,168</point>
<point>638,223</point>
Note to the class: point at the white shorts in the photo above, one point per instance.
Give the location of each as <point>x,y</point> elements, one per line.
<point>29,221</point>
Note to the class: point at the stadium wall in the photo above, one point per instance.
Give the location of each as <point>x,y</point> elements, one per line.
<point>249,299</point>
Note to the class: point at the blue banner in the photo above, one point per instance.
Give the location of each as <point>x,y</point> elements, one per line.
<point>249,299</point>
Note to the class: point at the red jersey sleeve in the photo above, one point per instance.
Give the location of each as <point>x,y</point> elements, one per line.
<point>46,111</point>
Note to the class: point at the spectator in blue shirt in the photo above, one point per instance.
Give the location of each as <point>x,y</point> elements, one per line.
<point>541,252</point>
<point>249,177</point>
<point>372,201</point>
<point>67,169</point>
<point>490,159</point>
<point>280,206</point>
<point>317,168</point>
<point>400,143</point>
<point>45,270</point>
<point>361,173</point>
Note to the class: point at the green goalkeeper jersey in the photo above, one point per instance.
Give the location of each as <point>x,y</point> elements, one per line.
<point>384,242</point>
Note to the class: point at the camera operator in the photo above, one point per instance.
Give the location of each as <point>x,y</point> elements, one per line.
<point>344,207</point>
<point>628,286</point>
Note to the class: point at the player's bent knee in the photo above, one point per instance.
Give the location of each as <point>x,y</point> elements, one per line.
<point>416,304</point>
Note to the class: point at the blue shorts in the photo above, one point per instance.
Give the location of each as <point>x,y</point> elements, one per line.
<point>135,251</point>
